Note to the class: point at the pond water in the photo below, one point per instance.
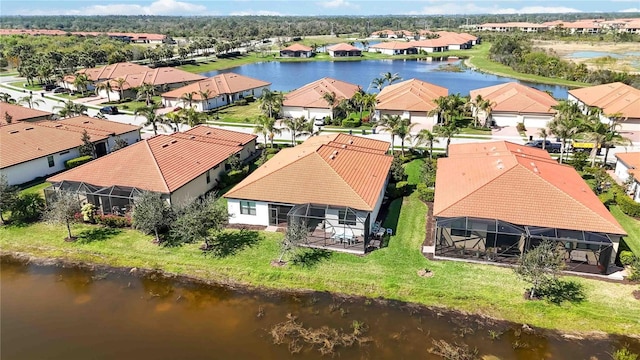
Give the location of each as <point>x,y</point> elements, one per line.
<point>70,313</point>
<point>287,76</point>
<point>597,54</point>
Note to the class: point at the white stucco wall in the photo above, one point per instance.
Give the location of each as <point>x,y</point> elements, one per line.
<point>131,137</point>
<point>27,171</point>
<point>308,113</point>
<point>332,222</point>
<point>621,171</point>
<point>197,186</point>
<point>529,120</point>
<point>260,218</point>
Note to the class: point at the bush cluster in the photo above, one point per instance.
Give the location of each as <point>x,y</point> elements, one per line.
<point>425,193</point>
<point>351,123</point>
<point>71,163</point>
<point>398,190</point>
<point>520,127</point>
<point>113,221</point>
<point>233,177</point>
<point>626,257</point>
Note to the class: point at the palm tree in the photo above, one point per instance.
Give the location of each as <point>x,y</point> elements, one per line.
<point>187,98</point>
<point>331,99</point>
<point>30,101</point>
<point>205,95</point>
<point>390,78</point>
<point>6,98</point>
<point>175,119</point>
<point>153,119</point>
<point>106,86</point>
<point>613,137</point>
<point>191,117</point>
<point>378,83</point>
<point>482,105</point>
<point>426,137</point>
<point>295,126</point>
<point>449,108</point>
<point>146,91</point>
<point>71,109</point>
<point>270,102</point>
<point>447,131</point>
<point>389,124</point>
<point>403,131</point>
<point>544,135</point>
<point>121,82</point>
<point>565,123</point>
<point>262,126</point>
<point>81,82</point>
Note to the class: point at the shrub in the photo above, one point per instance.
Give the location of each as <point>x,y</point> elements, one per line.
<point>232,177</point>
<point>624,354</point>
<point>113,221</point>
<point>634,270</point>
<point>627,205</point>
<point>579,160</point>
<point>425,193</point>
<point>272,151</point>
<point>27,208</point>
<point>351,123</point>
<point>241,102</point>
<point>88,212</point>
<point>626,257</point>
<point>397,170</point>
<point>520,127</point>
<point>71,163</point>
<point>397,190</point>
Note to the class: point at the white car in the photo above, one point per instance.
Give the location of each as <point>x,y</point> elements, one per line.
<point>318,122</point>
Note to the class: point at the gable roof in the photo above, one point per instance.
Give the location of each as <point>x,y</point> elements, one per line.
<point>311,94</point>
<point>157,76</point>
<point>611,98</point>
<point>20,113</point>
<point>24,141</point>
<point>92,124</point>
<point>393,45</point>
<point>517,98</point>
<point>430,43</point>
<point>321,171</point>
<point>163,164</point>
<point>342,47</point>
<point>410,95</point>
<point>235,137</point>
<point>113,71</point>
<point>225,83</point>
<point>297,47</point>
<point>520,185</point>
<point>632,161</point>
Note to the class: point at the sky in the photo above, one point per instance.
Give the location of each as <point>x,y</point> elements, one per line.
<point>309,7</point>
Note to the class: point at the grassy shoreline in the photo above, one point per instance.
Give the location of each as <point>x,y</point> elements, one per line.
<point>388,273</point>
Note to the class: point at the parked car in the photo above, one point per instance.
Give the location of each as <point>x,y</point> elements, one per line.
<point>60,90</point>
<point>111,110</point>
<point>49,87</point>
<point>318,122</point>
<point>548,145</point>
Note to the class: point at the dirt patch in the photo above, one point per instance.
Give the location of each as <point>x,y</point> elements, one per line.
<point>626,57</point>
<point>636,294</point>
<point>425,273</point>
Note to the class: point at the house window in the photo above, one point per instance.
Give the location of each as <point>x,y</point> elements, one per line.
<point>64,153</point>
<point>247,207</point>
<point>346,217</point>
<point>50,161</point>
<point>208,177</point>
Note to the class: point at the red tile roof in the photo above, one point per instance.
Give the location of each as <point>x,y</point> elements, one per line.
<point>225,83</point>
<point>157,77</point>
<point>342,47</point>
<point>162,164</point>
<point>20,113</point>
<point>321,171</point>
<point>394,45</point>
<point>210,132</point>
<point>612,98</point>
<point>410,95</point>
<point>517,184</point>
<point>311,94</point>
<point>632,161</point>
<point>113,71</point>
<point>516,98</point>
<point>297,47</point>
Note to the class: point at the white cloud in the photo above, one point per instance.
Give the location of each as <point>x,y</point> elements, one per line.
<point>337,4</point>
<point>254,13</point>
<point>632,10</point>
<point>470,8</point>
<point>158,7</point>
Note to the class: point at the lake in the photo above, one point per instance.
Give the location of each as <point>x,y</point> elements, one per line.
<point>51,312</point>
<point>287,76</point>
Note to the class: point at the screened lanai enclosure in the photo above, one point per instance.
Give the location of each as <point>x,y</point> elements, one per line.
<point>334,228</point>
<point>115,200</point>
<point>503,242</point>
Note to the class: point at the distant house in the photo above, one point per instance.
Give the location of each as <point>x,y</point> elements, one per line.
<point>343,50</point>
<point>616,98</point>
<point>297,50</point>
<point>180,167</point>
<point>333,184</point>
<point>219,90</point>
<point>221,136</point>
<point>628,167</point>
<point>164,78</point>
<point>494,201</point>
<point>394,48</point>
<point>411,99</point>
<point>308,101</point>
<point>11,113</point>
<point>514,103</point>
<point>32,150</point>
<point>102,73</point>
<point>431,45</point>
<point>384,34</point>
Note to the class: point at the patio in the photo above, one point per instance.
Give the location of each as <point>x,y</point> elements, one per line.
<point>116,200</point>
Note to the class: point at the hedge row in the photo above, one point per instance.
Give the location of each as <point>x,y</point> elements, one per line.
<point>71,163</point>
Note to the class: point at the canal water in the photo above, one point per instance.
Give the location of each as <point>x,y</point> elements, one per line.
<point>53,312</point>
<point>287,76</point>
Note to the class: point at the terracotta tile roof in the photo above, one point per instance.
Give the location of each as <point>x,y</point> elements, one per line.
<point>25,141</point>
<point>632,161</point>
<point>410,95</point>
<point>611,98</point>
<point>20,113</point>
<point>516,98</point>
<point>320,171</point>
<point>90,123</point>
<point>399,45</point>
<point>520,185</point>
<point>384,32</point>
<point>225,83</point>
<point>157,77</point>
<point>311,94</point>
<point>466,36</point>
<point>113,71</point>
<point>162,164</point>
<point>297,47</point>
<point>210,132</point>
<point>430,43</point>
<point>342,47</point>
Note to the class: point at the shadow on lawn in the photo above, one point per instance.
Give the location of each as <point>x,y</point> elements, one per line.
<point>393,215</point>
<point>309,258</point>
<point>96,234</point>
<point>231,242</point>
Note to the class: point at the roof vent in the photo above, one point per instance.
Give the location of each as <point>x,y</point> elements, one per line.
<point>350,141</point>
<point>14,132</point>
<point>208,133</point>
<point>535,170</point>
<point>58,125</point>
<point>174,141</point>
<point>518,150</point>
<point>192,137</point>
<point>500,166</point>
<point>86,122</point>
<point>344,146</point>
<point>332,156</point>
<point>29,128</point>
<point>165,145</point>
<point>335,153</point>
<point>533,164</point>
<point>493,148</point>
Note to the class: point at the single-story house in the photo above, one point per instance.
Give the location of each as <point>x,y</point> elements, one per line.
<point>384,34</point>
<point>308,101</point>
<point>177,167</point>
<point>431,45</point>
<point>628,167</point>
<point>343,50</point>
<point>12,113</point>
<point>411,99</point>
<point>102,73</point>
<point>221,136</point>
<point>456,41</point>
<point>614,98</point>
<point>297,50</point>
<point>394,48</point>
<point>164,78</point>
<point>216,91</point>
<point>332,184</point>
<point>496,200</point>
<point>32,150</point>
<point>514,103</point>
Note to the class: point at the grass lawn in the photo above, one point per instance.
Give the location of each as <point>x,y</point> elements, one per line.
<point>238,113</point>
<point>389,272</point>
<point>134,105</point>
<point>413,169</point>
<point>471,131</point>
<point>36,189</point>
<point>24,85</point>
<point>631,226</point>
